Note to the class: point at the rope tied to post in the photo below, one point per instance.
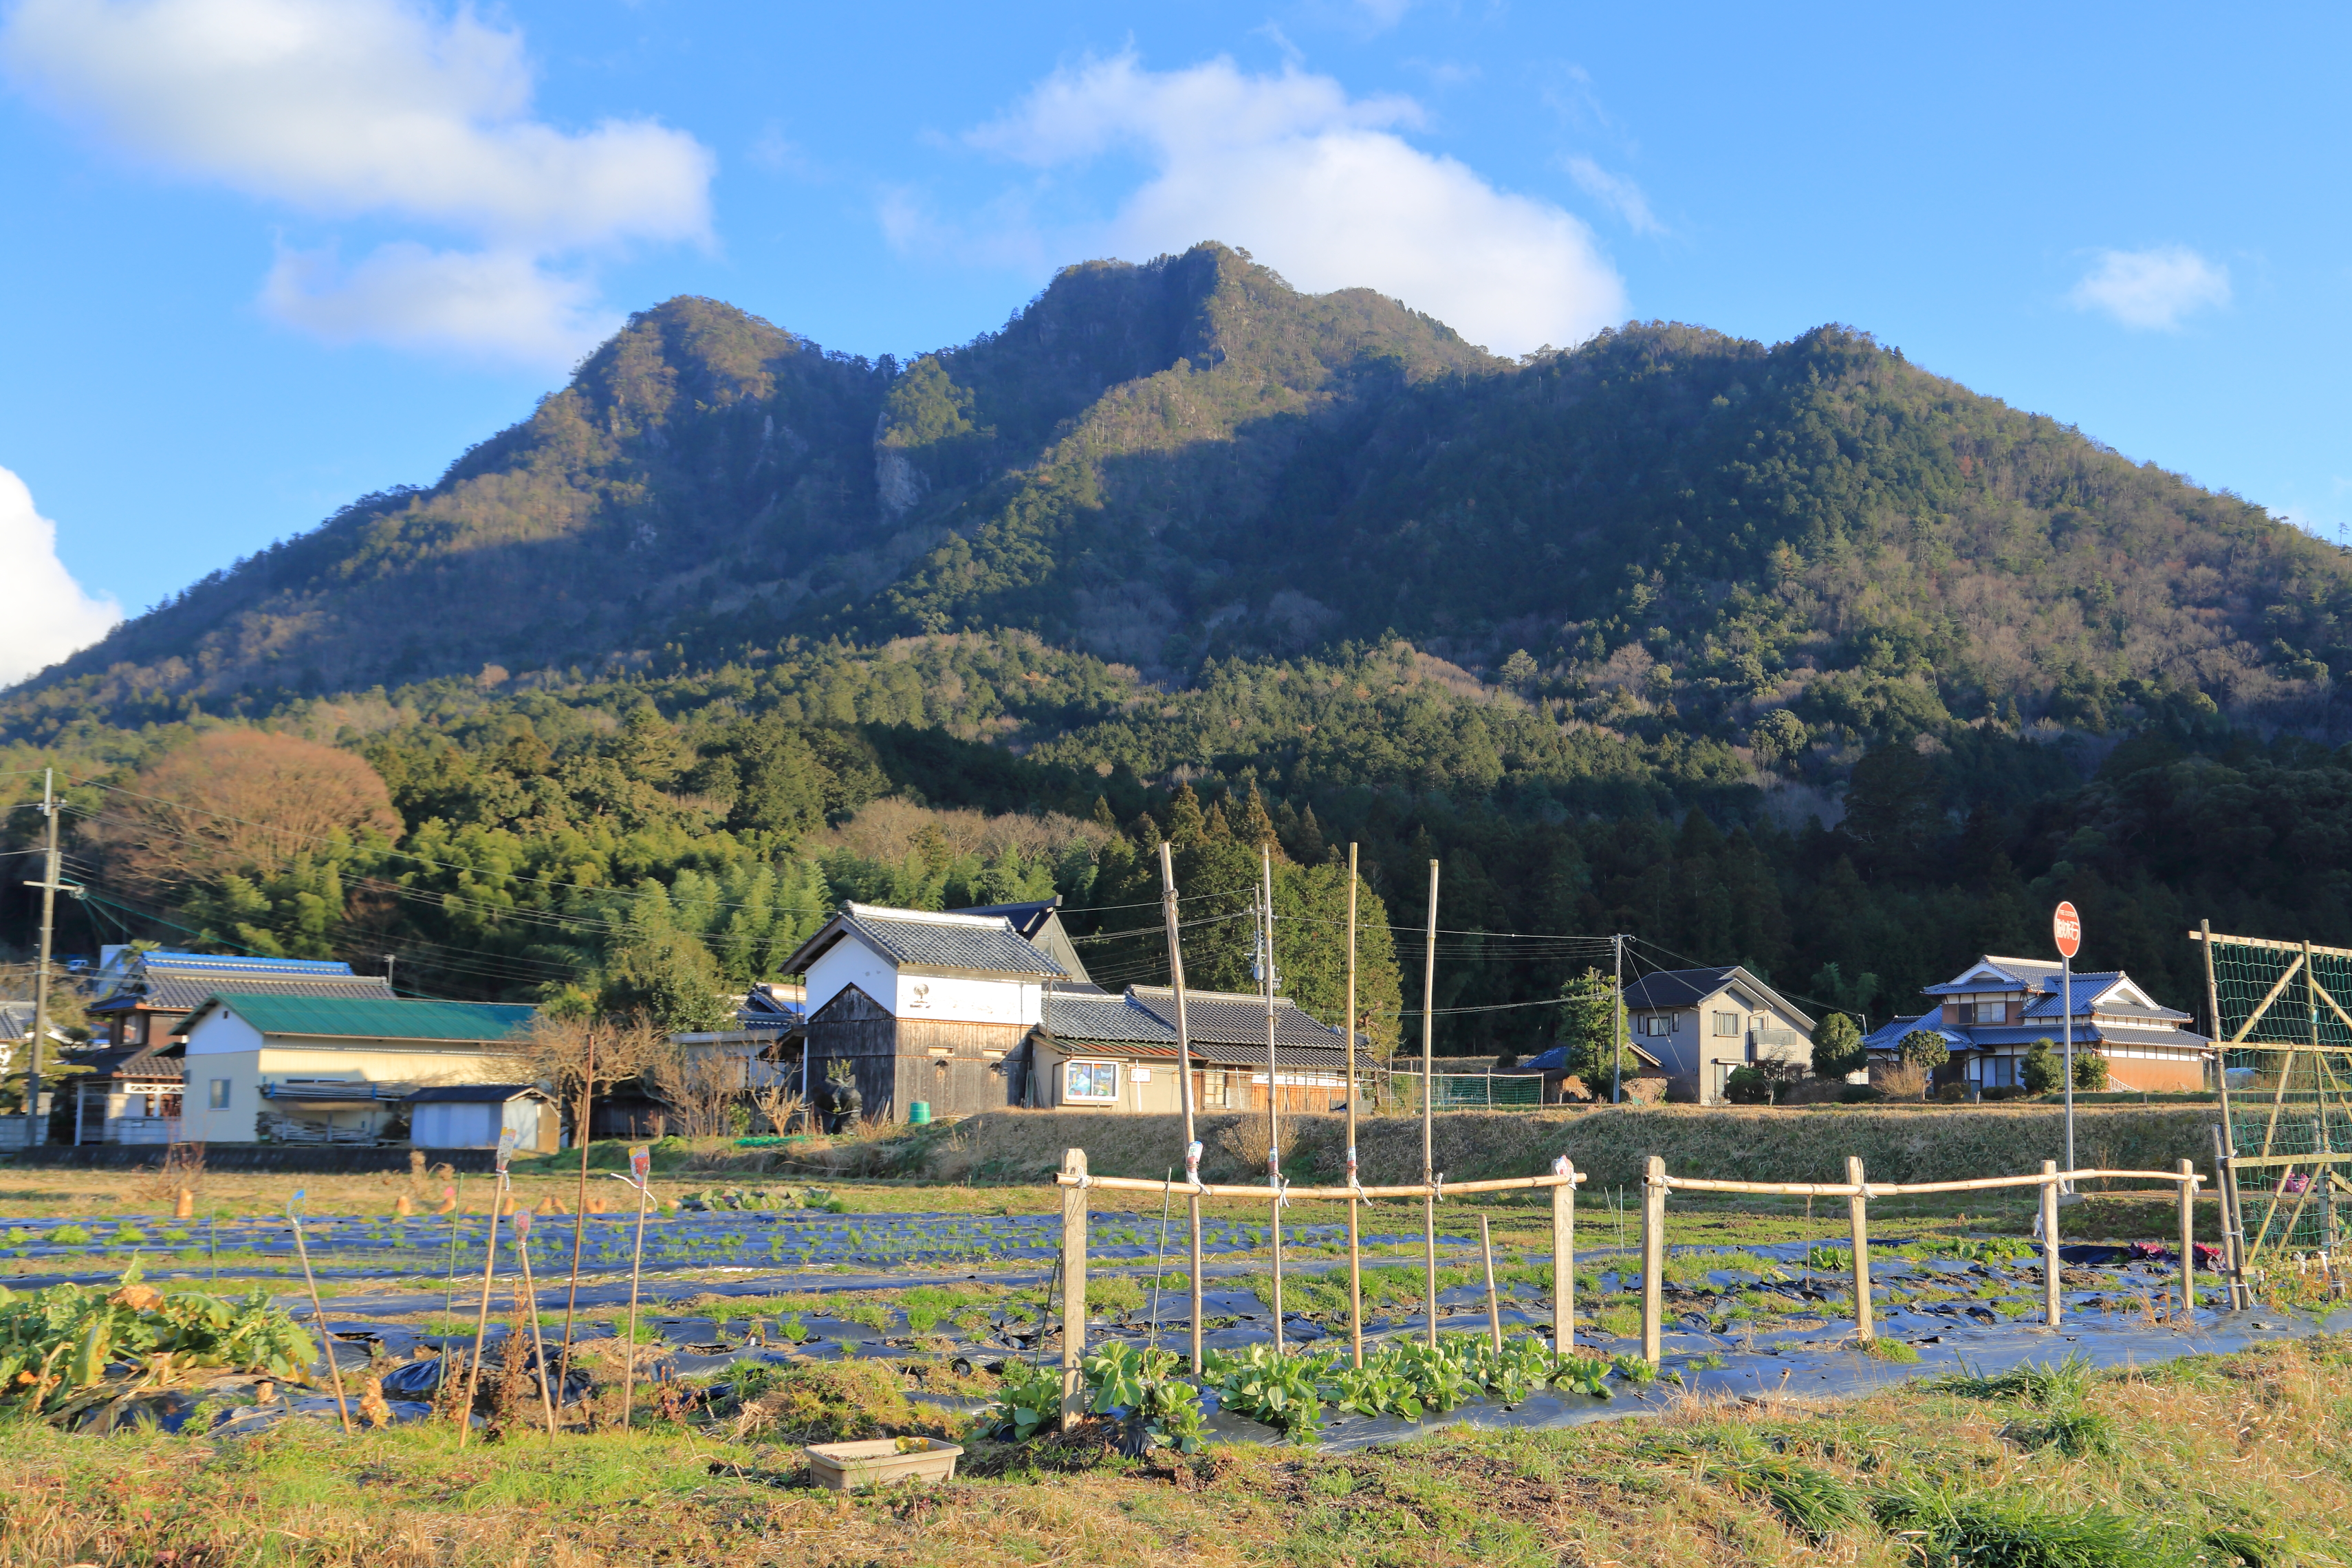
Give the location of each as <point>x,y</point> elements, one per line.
<point>1438,1187</point>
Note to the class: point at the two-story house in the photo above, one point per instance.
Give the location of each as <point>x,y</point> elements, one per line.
<point>1702,1025</point>
<point>1992,1012</point>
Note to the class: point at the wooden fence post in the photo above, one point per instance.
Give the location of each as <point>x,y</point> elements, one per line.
<point>1563,1258</point>
<point>1073,1289</point>
<point>2187,1241</point>
<point>2050,1308</point>
<point>1653,1255</point>
<point>1857,1211</point>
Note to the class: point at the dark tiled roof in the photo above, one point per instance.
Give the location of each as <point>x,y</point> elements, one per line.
<point>129,1062</point>
<point>984,946</point>
<point>1026,919</point>
<point>1223,1054</point>
<point>1234,1017</point>
<point>1688,988</point>
<point>185,994</point>
<point>1103,1019</point>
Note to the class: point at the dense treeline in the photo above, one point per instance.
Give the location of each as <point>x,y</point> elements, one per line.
<point>655,842</point>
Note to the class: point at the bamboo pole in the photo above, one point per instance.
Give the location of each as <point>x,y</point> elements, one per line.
<point>1486,1261</point>
<point>1074,1285</point>
<point>1857,1214</point>
<point>1273,1084</point>
<point>640,1168</point>
<point>526,1303</point>
<point>319,1312</point>
<point>1563,1258</point>
<point>2187,1241</point>
<point>1355,1229</point>
<point>2049,1305</point>
<point>1428,1098</point>
<point>580,1205</point>
<point>1184,1084</point>
<point>1653,1255</point>
<point>2233,1219</point>
<point>490,1262</point>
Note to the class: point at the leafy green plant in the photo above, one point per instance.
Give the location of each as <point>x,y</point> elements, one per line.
<point>2048,1386</point>
<point>70,1236</point>
<point>1144,1386</point>
<point>1029,1402</point>
<point>1266,1384</point>
<point>65,1336</point>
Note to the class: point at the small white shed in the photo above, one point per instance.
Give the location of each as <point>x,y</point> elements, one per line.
<point>473,1115</point>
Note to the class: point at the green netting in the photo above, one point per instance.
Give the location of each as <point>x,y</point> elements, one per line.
<point>1473,1091</point>
<point>2289,1080</point>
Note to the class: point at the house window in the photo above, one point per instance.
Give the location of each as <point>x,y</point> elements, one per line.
<point>218,1097</point>
<point>134,1030</point>
<point>1658,1023</point>
<point>1090,1080</point>
<point>1727,1026</point>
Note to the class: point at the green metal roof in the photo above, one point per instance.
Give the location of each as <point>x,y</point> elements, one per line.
<point>370,1017</point>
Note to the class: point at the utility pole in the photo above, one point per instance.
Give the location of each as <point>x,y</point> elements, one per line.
<point>389,959</point>
<point>1616,1024</point>
<point>36,1129</point>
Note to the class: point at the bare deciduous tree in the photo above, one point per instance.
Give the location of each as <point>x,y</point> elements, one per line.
<point>580,1057</point>
<point>238,801</point>
<point>700,1087</point>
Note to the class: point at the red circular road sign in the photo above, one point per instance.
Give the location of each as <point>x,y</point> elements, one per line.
<point>2066,927</point>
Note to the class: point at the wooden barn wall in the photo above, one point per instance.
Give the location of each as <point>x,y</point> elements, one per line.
<point>895,1067</point>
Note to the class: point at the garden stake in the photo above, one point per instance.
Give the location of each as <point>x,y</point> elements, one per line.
<point>2189,1240</point>
<point>1563,1259</point>
<point>1654,1254</point>
<point>641,1167</point>
<point>1073,1286</point>
<point>326,1340</point>
<point>1273,1092</point>
<point>211,1238</point>
<point>1183,1086</point>
<point>1858,1216</point>
<point>526,1303</point>
<point>1494,1310</point>
<point>1355,1234</point>
<point>489,1263</point>
<point>2050,1241</point>
<point>1428,1098</point>
<point>1161,1255</point>
<point>580,1212</point>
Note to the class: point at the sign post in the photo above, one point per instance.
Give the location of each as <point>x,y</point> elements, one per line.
<point>2066,930</point>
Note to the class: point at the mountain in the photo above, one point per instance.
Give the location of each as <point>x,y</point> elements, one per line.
<point>1796,656</point>
<point>1184,460</point>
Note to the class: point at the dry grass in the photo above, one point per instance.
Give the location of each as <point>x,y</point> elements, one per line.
<point>1756,1144</point>
<point>2237,1458</point>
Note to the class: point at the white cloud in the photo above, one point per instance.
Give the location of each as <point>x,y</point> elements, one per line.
<point>497,302</point>
<point>2152,288</point>
<point>44,612</point>
<point>1621,195</point>
<point>1321,187</point>
<point>383,108</point>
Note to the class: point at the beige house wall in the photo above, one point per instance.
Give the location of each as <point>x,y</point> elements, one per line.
<point>279,1057</point>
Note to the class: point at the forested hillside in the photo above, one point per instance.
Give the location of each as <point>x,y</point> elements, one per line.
<point>1797,656</point>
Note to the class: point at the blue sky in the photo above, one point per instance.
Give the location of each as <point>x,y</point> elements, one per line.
<point>266,256</point>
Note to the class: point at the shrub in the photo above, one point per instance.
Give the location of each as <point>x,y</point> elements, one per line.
<point>1860,1094</point>
<point>1925,1049</point>
<point>1837,1048</point>
<point>1748,1086</point>
<point>2040,1069</point>
<point>2090,1072</point>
